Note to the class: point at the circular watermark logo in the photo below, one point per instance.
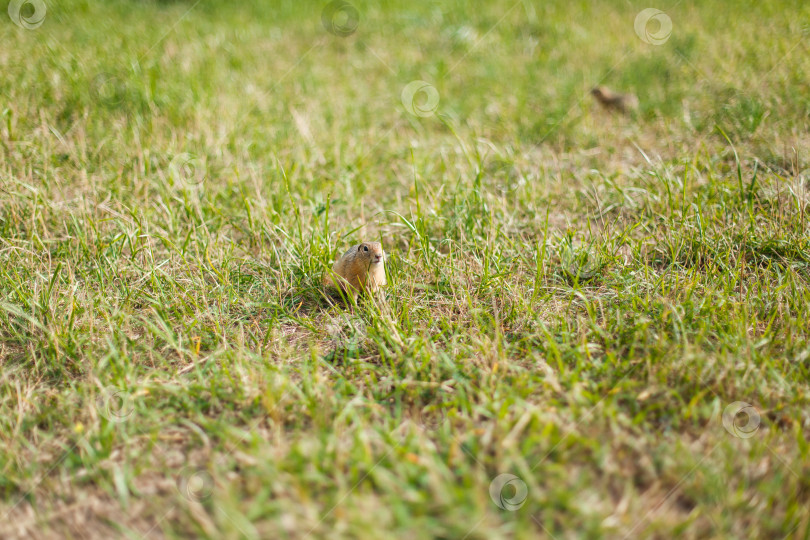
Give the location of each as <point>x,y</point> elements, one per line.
<point>579,266</point>
<point>28,14</point>
<point>108,89</point>
<point>653,26</point>
<point>420,98</point>
<point>188,169</point>
<point>741,419</point>
<point>115,404</point>
<point>801,187</point>
<point>194,484</point>
<point>340,18</point>
<point>508,492</point>
<point>430,420</point>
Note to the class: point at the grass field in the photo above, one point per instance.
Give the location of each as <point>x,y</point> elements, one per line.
<point>595,326</point>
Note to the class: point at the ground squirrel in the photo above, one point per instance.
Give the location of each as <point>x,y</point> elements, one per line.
<point>613,100</point>
<point>361,268</point>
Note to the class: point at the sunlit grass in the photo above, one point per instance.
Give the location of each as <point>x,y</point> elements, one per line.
<point>575,298</point>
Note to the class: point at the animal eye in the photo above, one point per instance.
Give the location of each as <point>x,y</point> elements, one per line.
<point>365,248</point>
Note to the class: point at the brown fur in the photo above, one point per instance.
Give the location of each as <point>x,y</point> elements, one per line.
<point>360,269</point>
<point>613,100</point>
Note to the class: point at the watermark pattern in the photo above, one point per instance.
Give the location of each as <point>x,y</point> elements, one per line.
<point>195,484</point>
<point>115,404</point>
<point>430,419</point>
<point>800,189</point>
<point>653,26</point>
<point>29,21</point>
<point>579,266</point>
<point>732,413</point>
<point>340,18</point>
<point>804,177</point>
<point>508,492</point>
<point>108,89</point>
<point>415,103</point>
<point>188,169</point>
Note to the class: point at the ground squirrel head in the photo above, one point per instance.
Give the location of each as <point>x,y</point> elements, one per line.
<point>606,96</point>
<point>371,251</point>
